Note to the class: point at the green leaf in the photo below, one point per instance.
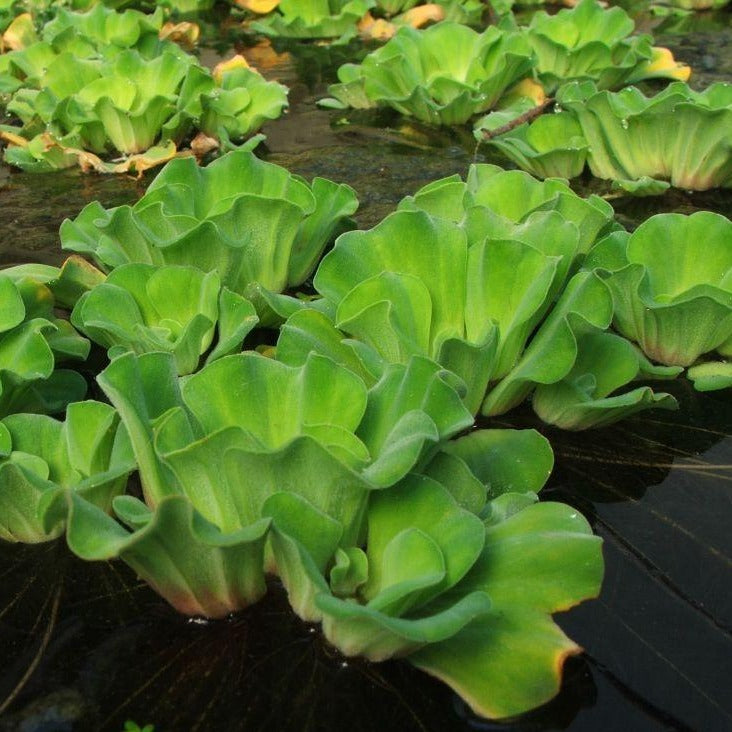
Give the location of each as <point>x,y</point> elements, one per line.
<point>585,304</point>
<point>672,298</point>
<point>678,135</point>
<point>197,568</point>
<point>540,560</point>
<point>41,457</point>
<point>587,396</point>
<point>442,75</point>
<point>303,541</point>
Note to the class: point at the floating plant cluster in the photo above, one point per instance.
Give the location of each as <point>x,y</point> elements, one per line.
<point>644,145</point>
<point>449,72</point>
<point>299,397</point>
<point>103,83</point>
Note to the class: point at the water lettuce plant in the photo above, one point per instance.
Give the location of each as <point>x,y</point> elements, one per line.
<point>32,341</point>
<point>553,145</point>
<point>312,18</point>
<point>258,226</point>
<point>442,75</point>
<point>78,97</point>
<point>677,137</point>
<point>671,282</point>
<point>241,101</point>
<point>495,302</point>
<point>401,542</point>
<point>213,449</point>
<point>463,588</point>
<point>40,457</point>
<point>143,307</point>
<point>100,27</point>
<point>591,42</point>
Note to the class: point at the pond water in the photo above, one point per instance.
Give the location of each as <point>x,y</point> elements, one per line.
<point>87,646</point>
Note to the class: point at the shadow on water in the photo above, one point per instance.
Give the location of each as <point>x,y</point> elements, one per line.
<point>87,646</point>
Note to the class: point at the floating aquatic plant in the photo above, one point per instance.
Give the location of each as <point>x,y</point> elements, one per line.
<point>213,450</point>
<point>494,301</point>
<point>442,75</point>
<point>311,18</point>
<point>240,103</point>
<point>252,464</point>
<point>105,83</point>
<point>253,222</point>
<point>32,340</point>
<point>553,145</point>
<point>591,42</point>
<point>671,282</point>
<point>470,308</point>
<point>463,596</point>
<point>142,308</point>
<point>40,457</point>
<point>677,137</point>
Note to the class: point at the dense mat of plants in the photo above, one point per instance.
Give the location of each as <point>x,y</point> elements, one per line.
<point>99,84</point>
<point>299,397</point>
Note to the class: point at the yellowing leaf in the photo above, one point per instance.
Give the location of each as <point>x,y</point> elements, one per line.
<point>203,144</point>
<point>418,17</point>
<point>185,34</point>
<point>258,6</point>
<point>529,89</point>
<point>663,60</point>
<point>13,139</point>
<point>236,62</point>
<point>19,34</point>
<point>378,30</point>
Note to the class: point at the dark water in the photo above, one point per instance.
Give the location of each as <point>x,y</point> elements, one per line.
<point>86,646</point>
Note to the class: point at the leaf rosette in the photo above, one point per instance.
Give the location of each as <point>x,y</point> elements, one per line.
<point>551,146</point>
<point>88,453</point>
<point>671,282</point>
<point>213,448</point>
<point>591,42</point>
<point>495,301</point>
<point>678,135</point>
<point>308,19</point>
<point>143,308</point>
<point>77,97</point>
<point>460,574</point>
<point>441,76</point>
<point>258,226</point>
<point>242,101</point>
